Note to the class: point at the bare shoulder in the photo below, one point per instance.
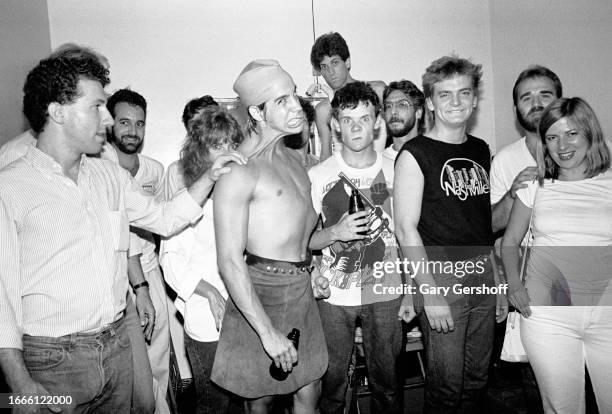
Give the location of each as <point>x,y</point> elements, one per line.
<point>323,107</point>
<point>240,180</point>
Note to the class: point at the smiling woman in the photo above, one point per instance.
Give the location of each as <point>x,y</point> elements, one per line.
<point>565,303</point>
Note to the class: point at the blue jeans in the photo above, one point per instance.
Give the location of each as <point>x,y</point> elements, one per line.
<point>210,398</point>
<point>382,342</point>
<point>94,369</point>
<point>458,361</point>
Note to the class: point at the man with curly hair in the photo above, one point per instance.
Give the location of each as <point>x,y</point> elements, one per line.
<point>65,233</point>
<point>330,58</point>
<point>354,245</point>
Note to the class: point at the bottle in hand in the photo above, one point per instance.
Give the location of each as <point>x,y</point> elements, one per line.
<point>277,372</point>
<point>356,205</point>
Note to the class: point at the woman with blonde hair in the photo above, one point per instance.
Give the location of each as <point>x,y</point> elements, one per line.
<point>566,298</point>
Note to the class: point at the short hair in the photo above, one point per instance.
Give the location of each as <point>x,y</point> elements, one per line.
<point>56,80</point>
<point>329,44</point>
<point>537,71</point>
<point>73,50</point>
<point>411,91</point>
<point>583,118</point>
<point>294,141</point>
<point>194,106</point>
<point>351,95</point>
<point>447,67</point>
<point>129,97</point>
<point>213,125</point>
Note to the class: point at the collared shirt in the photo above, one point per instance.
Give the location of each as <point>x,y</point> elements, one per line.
<point>63,260</point>
<point>16,147</point>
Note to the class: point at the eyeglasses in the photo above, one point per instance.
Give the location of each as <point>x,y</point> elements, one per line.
<point>403,104</point>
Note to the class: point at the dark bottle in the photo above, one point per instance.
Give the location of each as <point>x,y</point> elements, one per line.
<point>278,373</point>
<point>355,205</point>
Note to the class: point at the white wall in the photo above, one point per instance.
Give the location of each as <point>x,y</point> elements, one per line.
<point>573,38</point>
<point>24,39</point>
<point>173,51</point>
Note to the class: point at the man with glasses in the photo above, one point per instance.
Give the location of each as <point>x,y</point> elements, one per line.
<point>403,114</point>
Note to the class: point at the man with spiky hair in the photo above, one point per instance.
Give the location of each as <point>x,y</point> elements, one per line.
<point>330,57</point>
<point>65,232</point>
<point>442,192</point>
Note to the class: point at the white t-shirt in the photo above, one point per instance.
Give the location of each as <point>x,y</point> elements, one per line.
<point>571,261</point>
<point>354,269</point>
<point>506,165</point>
<point>390,153</point>
<point>149,176</point>
<point>571,213</point>
<point>187,258</point>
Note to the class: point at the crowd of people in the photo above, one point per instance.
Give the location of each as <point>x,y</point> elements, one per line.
<point>257,241</point>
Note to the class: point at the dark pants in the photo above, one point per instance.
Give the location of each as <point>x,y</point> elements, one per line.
<point>382,341</point>
<point>95,370</point>
<point>210,398</point>
<point>458,361</point>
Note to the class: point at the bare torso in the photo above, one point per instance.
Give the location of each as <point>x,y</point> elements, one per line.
<point>281,216</point>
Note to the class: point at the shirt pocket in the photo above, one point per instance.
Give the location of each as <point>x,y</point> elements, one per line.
<point>119,228</point>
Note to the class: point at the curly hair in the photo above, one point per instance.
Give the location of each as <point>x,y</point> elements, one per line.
<point>129,97</point>
<point>329,44</point>
<point>351,95</point>
<point>447,67</point>
<point>56,80</point>
<point>411,91</point>
<point>194,106</point>
<point>582,117</point>
<point>537,71</point>
<point>214,125</point>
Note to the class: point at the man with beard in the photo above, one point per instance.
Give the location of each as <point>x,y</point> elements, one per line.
<point>535,88</point>
<point>129,111</point>
<point>403,113</point>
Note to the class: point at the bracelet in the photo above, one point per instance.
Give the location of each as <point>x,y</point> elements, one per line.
<point>141,284</point>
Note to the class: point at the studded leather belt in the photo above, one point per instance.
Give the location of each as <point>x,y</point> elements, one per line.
<point>278,266</point>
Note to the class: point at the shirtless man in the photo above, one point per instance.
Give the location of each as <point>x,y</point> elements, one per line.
<point>331,58</point>
<point>266,210</point>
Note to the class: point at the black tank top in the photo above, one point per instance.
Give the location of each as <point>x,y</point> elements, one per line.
<point>456,209</point>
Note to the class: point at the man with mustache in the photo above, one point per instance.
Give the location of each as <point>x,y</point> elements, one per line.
<point>403,113</point>
<point>129,111</point>
<point>535,88</point>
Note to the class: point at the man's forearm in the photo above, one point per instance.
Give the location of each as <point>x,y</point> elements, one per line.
<point>240,287</point>
<point>15,373</point>
<point>201,189</point>
<point>500,213</point>
<point>322,238</point>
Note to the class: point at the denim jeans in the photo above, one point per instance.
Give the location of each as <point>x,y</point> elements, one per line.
<point>94,369</point>
<point>560,341</point>
<point>458,361</point>
<point>382,342</point>
<point>210,398</point>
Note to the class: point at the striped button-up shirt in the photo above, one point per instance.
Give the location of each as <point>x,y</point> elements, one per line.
<point>63,261</point>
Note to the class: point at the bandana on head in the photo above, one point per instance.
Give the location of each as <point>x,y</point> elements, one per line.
<point>253,85</point>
